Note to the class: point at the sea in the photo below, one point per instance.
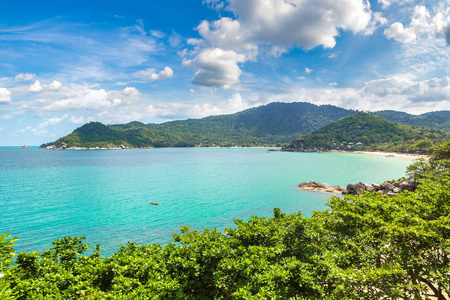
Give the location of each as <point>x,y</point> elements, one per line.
<point>105,195</point>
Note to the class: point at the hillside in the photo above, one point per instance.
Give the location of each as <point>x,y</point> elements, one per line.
<point>436,119</point>
<point>370,132</point>
<point>272,124</point>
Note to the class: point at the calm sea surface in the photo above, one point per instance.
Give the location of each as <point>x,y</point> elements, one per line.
<point>105,195</point>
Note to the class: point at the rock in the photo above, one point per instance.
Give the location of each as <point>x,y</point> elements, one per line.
<point>312,184</point>
<point>398,190</point>
<point>352,189</point>
<point>390,194</point>
<point>396,184</point>
<point>380,192</point>
<point>344,192</point>
<point>388,187</point>
<point>337,188</point>
<point>376,187</point>
<point>408,185</point>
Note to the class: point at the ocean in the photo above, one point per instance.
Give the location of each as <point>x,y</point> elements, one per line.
<point>105,195</point>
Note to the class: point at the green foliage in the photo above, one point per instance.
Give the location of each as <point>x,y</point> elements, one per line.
<point>6,253</point>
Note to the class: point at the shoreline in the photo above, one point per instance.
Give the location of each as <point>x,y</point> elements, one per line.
<point>394,154</point>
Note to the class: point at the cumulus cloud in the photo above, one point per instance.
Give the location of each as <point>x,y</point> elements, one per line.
<point>308,70</point>
<point>272,27</point>
<point>54,85</point>
<point>38,87</point>
<point>130,91</point>
<point>5,96</point>
<point>422,23</point>
<point>216,68</point>
<point>303,23</point>
<point>151,74</point>
<point>25,77</point>
<point>35,87</point>
<point>183,110</point>
<point>85,99</point>
<point>163,74</point>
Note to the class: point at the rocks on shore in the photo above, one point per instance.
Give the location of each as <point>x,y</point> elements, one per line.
<point>386,188</point>
<point>64,146</point>
<point>317,186</point>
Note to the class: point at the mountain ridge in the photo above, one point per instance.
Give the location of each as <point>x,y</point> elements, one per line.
<point>274,124</point>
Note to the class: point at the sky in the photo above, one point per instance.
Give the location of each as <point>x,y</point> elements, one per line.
<point>66,63</point>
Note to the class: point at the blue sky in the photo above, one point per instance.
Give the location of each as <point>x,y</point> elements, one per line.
<point>65,63</point>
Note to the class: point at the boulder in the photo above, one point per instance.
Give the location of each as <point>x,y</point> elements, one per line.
<point>396,184</point>
<point>390,194</point>
<point>398,190</point>
<point>312,184</point>
<point>388,187</point>
<point>408,185</point>
<point>376,187</point>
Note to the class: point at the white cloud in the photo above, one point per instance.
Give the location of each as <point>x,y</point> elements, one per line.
<point>163,74</point>
<point>35,87</point>
<point>235,102</point>
<point>38,87</point>
<point>399,33</point>
<point>5,96</point>
<point>152,75</point>
<point>216,68</point>
<point>176,110</point>
<point>52,121</point>
<point>272,27</point>
<point>130,91</point>
<point>54,85</point>
<point>421,24</point>
<point>386,3</point>
<point>214,4</point>
<point>25,77</point>
<point>333,84</point>
<point>85,99</point>
<point>303,23</point>
<point>308,70</point>
<point>80,119</point>
<point>157,34</point>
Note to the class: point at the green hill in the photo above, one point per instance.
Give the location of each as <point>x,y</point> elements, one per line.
<point>437,119</point>
<point>275,124</point>
<point>370,132</point>
<point>272,124</point>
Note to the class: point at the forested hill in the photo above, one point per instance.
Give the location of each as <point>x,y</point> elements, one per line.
<point>437,119</point>
<point>272,124</point>
<point>371,132</point>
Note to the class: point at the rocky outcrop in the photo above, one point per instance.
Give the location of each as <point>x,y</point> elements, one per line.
<point>64,146</point>
<point>317,186</point>
<point>386,188</point>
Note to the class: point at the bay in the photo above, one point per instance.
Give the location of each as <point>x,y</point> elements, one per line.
<point>105,195</point>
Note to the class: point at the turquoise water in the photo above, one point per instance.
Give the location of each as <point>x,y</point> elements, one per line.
<point>105,195</point>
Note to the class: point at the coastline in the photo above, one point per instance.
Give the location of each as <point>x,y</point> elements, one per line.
<point>394,154</point>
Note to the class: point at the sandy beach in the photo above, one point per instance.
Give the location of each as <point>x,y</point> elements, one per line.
<point>393,154</point>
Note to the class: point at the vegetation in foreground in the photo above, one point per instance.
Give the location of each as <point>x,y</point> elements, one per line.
<point>364,247</point>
